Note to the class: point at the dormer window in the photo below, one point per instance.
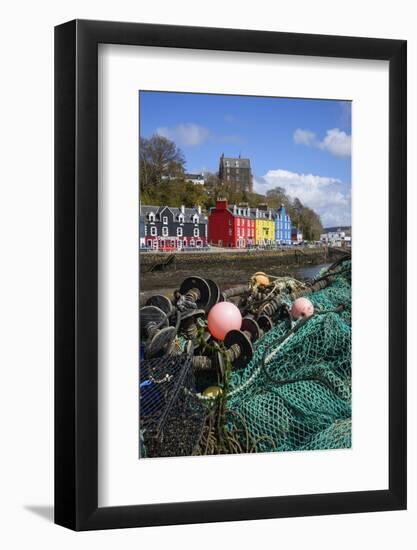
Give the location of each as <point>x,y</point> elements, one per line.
<point>195,218</point>
<point>181,218</point>
<point>151,217</point>
<point>165,220</point>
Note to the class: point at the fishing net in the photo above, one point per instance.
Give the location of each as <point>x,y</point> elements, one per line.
<point>295,394</point>
<point>171,415</point>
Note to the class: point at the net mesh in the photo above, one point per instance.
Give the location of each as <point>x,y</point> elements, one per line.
<point>297,390</point>
<point>171,415</point>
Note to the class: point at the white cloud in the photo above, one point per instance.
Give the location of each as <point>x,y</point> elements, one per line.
<point>336,142</point>
<point>327,196</point>
<point>304,137</point>
<point>187,134</point>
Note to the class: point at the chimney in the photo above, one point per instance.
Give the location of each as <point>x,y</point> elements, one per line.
<point>199,209</point>
<point>221,203</point>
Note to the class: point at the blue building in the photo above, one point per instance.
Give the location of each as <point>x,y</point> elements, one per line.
<point>283,226</point>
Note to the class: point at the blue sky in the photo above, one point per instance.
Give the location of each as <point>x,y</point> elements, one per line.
<point>303,145</point>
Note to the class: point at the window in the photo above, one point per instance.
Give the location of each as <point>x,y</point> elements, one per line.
<point>179,231</point>
<point>151,217</point>
<point>165,220</point>
<point>149,242</point>
<point>196,232</point>
<point>195,218</point>
<point>199,244</point>
<point>153,231</point>
<point>192,243</point>
<point>165,231</point>
<point>181,218</point>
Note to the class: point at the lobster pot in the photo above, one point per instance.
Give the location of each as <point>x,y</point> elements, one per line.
<point>171,416</point>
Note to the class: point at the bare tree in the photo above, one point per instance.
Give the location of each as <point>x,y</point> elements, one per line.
<point>159,159</point>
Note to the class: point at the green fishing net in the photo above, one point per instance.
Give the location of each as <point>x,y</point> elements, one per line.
<point>295,394</point>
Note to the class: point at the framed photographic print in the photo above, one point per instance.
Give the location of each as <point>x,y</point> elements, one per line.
<point>230,275</point>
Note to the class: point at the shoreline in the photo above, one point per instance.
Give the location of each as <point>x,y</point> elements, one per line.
<point>155,261</point>
<point>227,274</point>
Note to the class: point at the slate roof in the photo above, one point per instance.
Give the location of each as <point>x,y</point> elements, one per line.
<point>188,212</point>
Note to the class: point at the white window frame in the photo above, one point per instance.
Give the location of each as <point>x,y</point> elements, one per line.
<point>151,217</point>
<point>165,220</point>
<point>154,231</point>
<point>179,231</point>
<point>165,232</point>
<point>195,218</point>
<point>196,232</point>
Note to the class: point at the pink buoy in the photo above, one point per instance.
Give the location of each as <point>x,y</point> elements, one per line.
<point>302,307</point>
<point>222,318</point>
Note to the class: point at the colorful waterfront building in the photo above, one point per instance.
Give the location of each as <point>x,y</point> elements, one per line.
<point>283,227</point>
<point>265,225</point>
<point>231,226</point>
<point>168,228</point>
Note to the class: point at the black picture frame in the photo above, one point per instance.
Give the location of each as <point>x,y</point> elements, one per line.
<point>76,272</point>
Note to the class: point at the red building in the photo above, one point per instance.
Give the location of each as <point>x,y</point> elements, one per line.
<point>231,226</point>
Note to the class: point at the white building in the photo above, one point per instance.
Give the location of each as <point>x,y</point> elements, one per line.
<point>336,238</point>
<point>197,179</point>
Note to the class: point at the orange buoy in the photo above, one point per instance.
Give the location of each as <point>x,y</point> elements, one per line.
<point>260,278</point>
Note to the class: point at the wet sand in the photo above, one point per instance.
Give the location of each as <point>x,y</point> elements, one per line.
<point>166,282</point>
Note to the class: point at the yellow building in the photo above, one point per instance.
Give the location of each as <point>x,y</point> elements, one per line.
<point>264,226</point>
